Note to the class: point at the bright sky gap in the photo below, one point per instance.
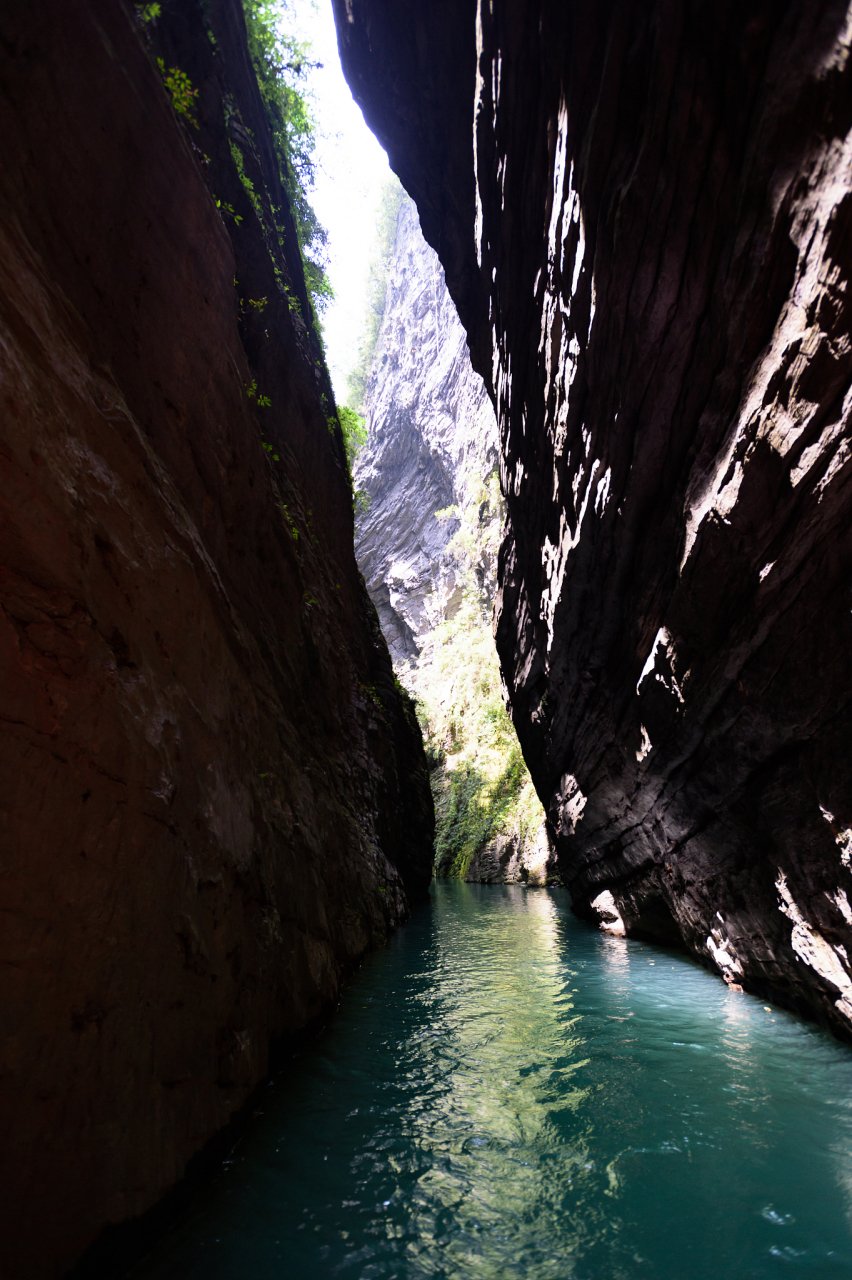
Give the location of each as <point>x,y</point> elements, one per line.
<point>352,169</point>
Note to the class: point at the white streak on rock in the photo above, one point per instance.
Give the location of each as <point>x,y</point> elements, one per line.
<point>646,745</point>
<point>610,916</point>
<point>812,948</point>
<point>841,901</point>
<point>725,959</point>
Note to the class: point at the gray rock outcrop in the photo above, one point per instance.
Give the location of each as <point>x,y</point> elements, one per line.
<point>432,436</point>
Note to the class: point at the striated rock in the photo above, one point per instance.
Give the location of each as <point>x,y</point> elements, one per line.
<point>212,798</point>
<point>653,269</point>
<point>432,438</point>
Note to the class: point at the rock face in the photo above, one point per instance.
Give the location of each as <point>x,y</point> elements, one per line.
<point>432,444</point>
<point>650,250</point>
<point>509,859</point>
<point>212,799</point>
<point>432,436</point>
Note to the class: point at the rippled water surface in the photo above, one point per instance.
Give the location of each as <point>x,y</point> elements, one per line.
<point>506,1092</point>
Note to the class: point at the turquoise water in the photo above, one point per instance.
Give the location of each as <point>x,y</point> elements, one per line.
<point>506,1092</point>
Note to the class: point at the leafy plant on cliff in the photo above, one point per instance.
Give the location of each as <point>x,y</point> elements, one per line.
<point>262,402</point>
<point>248,185</point>
<point>180,89</point>
<point>354,430</point>
<point>282,64</point>
<point>224,207</point>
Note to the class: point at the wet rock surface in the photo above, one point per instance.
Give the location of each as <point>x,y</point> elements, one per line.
<point>213,799</point>
<point>649,248</point>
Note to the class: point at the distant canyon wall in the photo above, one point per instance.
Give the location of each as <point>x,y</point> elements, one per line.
<point>432,436</point>
<point>212,797</point>
<point>427,539</point>
<point>645,215</point>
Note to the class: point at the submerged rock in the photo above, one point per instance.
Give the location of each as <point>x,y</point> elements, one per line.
<point>213,799</point>
<point>649,248</point>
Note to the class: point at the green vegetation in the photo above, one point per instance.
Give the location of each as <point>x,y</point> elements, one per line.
<point>292,301</point>
<point>290,522</point>
<point>179,88</point>
<point>248,185</point>
<point>282,64</point>
<point>253,306</point>
<point>354,430</point>
<point>262,402</point>
<point>224,207</point>
<point>479,780</point>
<point>148,12</point>
<point>377,285</point>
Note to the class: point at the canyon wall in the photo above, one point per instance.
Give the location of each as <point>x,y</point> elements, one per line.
<point>432,440</point>
<point>645,216</point>
<point>426,541</point>
<point>213,799</point>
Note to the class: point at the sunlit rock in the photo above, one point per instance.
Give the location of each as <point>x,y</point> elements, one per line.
<point>432,440</point>
<point>426,543</point>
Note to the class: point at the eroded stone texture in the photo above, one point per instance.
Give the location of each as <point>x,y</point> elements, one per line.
<point>510,859</point>
<point>204,816</point>
<point>432,440</point>
<point>655,283</point>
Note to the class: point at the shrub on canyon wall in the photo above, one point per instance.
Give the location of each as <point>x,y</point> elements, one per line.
<point>480,783</point>
<point>282,65</point>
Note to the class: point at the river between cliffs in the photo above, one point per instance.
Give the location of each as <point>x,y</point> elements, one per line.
<point>506,1092</point>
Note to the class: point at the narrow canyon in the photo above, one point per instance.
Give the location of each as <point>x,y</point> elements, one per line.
<point>609,416</point>
<point>427,538</point>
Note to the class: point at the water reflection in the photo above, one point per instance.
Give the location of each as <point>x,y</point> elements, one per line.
<point>491,1128</point>
<point>507,1092</point>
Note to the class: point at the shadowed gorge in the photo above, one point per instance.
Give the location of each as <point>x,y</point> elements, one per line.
<point>215,798</point>
<point>643,213</point>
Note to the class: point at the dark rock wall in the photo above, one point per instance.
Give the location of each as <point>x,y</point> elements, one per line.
<point>212,800</point>
<point>655,281</point>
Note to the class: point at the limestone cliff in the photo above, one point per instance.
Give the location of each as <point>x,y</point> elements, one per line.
<point>212,797</point>
<point>427,543</point>
<point>432,440</point>
<point>649,248</point>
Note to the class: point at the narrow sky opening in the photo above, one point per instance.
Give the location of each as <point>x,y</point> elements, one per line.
<point>352,169</point>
